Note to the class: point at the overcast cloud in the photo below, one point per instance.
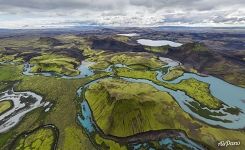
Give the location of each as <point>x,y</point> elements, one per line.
<point>60,13</point>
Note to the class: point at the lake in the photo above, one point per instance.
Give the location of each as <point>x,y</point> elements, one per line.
<point>148,42</point>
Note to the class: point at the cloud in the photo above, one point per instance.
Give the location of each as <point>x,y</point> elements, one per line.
<point>37,13</point>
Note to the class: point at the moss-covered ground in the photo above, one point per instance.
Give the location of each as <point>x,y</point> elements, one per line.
<point>10,72</point>
<point>108,144</point>
<point>5,105</point>
<point>129,108</point>
<point>121,38</point>
<point>103,60</point>
<point>157,49</point>
<point>55,63</point>
<point>41,139</point>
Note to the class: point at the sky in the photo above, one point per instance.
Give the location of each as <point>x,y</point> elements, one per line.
<point>132,13</point>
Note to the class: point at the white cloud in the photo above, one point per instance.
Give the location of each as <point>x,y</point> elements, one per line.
<point>60,13</point>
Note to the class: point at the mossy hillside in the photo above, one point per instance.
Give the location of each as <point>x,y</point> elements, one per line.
<point>108,144</point>
<point>55,63</point>
<point>228,71</point>
<point>101,65</point>
<point>195,47</point>
<point>139,74</point>
<point>5,85</point>
<point>198,90</point>
<point>149,61</point>
<point>41,139</point>
<point>103,60</point>
<point>199,47</point>
<point>75,139</point>
<point>121,38</point>
<point>157,49</point>
<point>6,58</point>
<point>5,105</point>
<point>87,51</point>
<point>9,75</point>
<point>10,72</point>
<point>14,58</point>
<point>16,42</point>
<point>122,108</point>
<point>72,39</point>
<point>111,116</point>
<point>22,44</point>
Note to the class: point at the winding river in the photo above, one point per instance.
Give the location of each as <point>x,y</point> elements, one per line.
<point>232,96</point>
<point>23,102</point>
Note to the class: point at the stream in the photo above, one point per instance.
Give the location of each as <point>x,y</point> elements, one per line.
<point>23,102</point>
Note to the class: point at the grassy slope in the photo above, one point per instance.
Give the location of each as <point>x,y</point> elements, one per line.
<point>121,38</point>
<point>5,105</point>
<point>10,72</point>
<point>228,71</point>
<point>151,62</point>
<point>132,106</point>
<point>42,139</point>
<point>121,108</point>
<point>103,60</point>
<point>108,144</point>
<point>158,49</point>
<point>56,63</point>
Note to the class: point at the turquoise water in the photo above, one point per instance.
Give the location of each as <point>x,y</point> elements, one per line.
<point>230,94</point>
<point>181,140</point>
<point>86,118</point>
<point>85,71</point>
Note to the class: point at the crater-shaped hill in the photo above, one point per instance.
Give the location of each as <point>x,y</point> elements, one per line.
<point>122,108</point>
